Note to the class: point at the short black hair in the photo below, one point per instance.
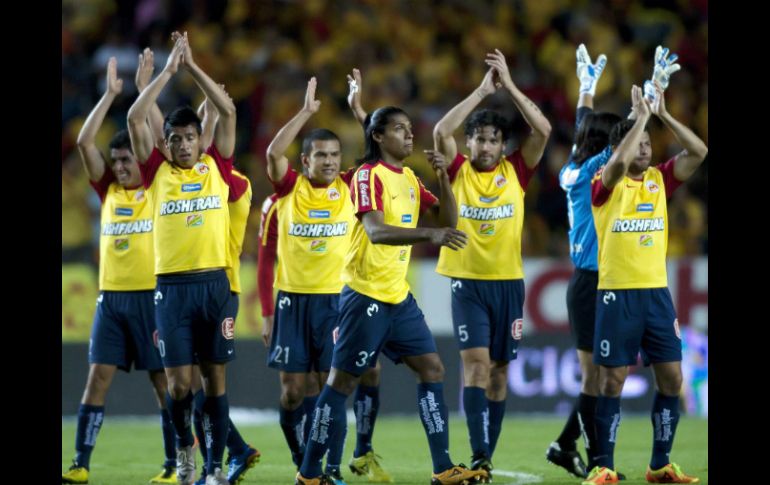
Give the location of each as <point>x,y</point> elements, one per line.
<point>121,139</point>
<point>488,117</point>
<point>620,130</point>
<point>180,117</point>
<point>317,134</point>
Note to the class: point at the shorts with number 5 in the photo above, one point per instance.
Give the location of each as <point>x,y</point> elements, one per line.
<point>488,314</point>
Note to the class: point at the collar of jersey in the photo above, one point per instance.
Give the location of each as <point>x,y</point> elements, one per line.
<point>391,167</point>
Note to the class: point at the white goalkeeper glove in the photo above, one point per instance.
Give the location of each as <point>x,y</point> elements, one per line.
<point>588,73</point>
<point>665,66</point>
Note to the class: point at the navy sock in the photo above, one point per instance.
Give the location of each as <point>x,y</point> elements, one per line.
<point>291,425</point>
<point>366,405</point>
<point>665,417</point>
<point>90,420</point>
<point>607,422</point>
<point>216,424</point>
<point>336,447</point>
<point>169,444</point>
<point>308,404</point>
<point>587,419</point>
<point>198,401</point>
<point>328,419</point>
<point>180,416</point>
<point>477,419</point>
<point>571,431</point>
<point>496,415</point>
<point>433,414</point>
<point>235,443</point>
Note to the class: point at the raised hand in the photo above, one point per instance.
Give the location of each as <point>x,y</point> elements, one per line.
<point>587,72</point>
<point>114,83</point>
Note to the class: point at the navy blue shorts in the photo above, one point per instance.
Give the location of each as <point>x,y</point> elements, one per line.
<point>124,331</point>
<point>630,320</point>
<point>489,314</point>
<point>368,326</point>
<point>195,314</point>
<point>302,332</point>
<point>581,307</point>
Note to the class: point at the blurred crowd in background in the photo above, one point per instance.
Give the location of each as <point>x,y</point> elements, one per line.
<point>421,55</point>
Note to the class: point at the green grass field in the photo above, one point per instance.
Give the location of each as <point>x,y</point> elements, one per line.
<point>131,452</point>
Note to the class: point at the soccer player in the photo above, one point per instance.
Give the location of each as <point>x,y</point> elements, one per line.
<point>633,305</point>
<point>241,456</point>
<point>194,311</point>
<point>124,324</point>
<point>487,278</point>
<point>313,215</point>
<point>591,151</point>
<point>377,312</point>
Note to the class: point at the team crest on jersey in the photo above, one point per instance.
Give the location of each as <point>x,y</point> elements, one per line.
<point>363,175</point>
<point>201,168</point>
<point>676,329</point>
<point>500,180</point>
<point>228,328</point>
<point>402,255</point>
<point>194,220</point>
<point>645,240</point>
<point>121,244</point>
<point>412,197</point>
<point>334,194</point>
<point>139,196</point>
<point>652,187</point>
<point>318,246</point>
<point>487,229</point>
<point>335,335</point>
<point>517,328</point>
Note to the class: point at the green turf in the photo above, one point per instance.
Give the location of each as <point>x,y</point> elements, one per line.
<point>130,452</point>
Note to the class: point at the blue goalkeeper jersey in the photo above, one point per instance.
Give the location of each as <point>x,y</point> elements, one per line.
<point>576,182</point>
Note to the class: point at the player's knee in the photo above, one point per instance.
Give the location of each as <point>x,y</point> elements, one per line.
<point>371,377</point>
<point>612,385</point>
<point>432,371</point>
<point>178,388</point>
<point>477,374</point>
<point>671,386</point>
<point>292,396</point>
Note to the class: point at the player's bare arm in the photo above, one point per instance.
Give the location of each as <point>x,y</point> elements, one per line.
<point>354,96</point>
<point>144,72</point>
<point>208,114</point>
<point>277,163</point>
<point>142,139</point>
<point>695,151</point>
<point>447,206</point>
<point>93,160</point>
<point>443,134</point>
<point>534,144</point>
<point>224,131</point>
<point>381,233</point>
<point>624,153</point>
